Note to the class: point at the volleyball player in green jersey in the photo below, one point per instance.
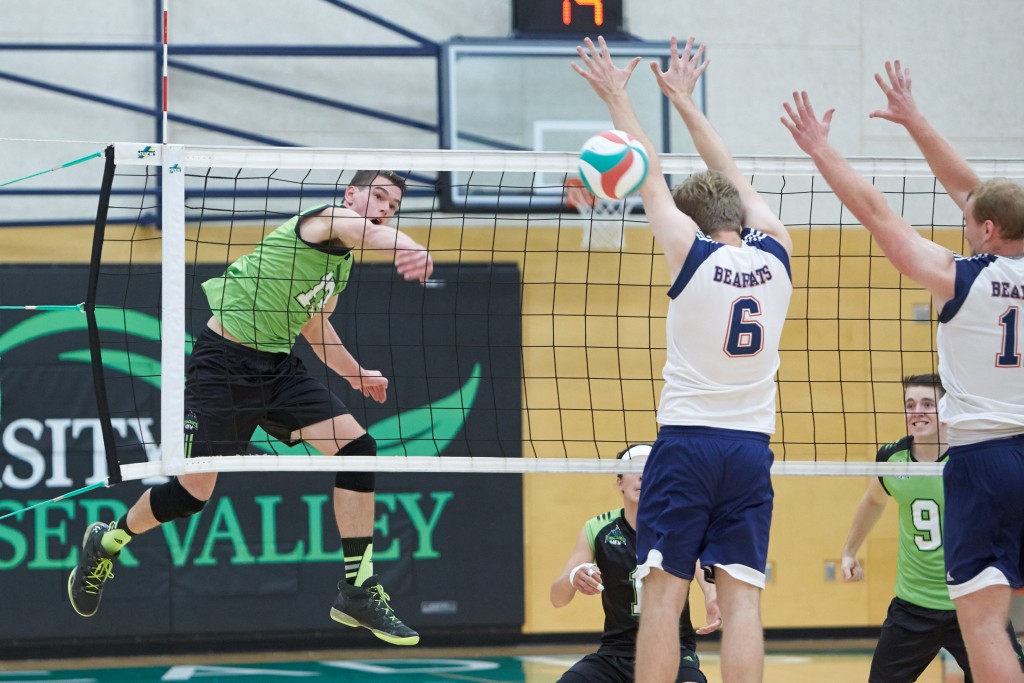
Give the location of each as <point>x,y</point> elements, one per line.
<point>602,563</point>
<point>242,374</point>
<point>921,618</point>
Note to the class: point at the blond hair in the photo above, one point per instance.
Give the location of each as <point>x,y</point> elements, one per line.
<point>711,200</point>
<point>1001,201</point>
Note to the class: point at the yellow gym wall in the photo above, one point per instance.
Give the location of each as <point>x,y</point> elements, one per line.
<point>595,320</point>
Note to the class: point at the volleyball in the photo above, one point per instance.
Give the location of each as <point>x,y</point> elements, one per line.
<point>613,164</point>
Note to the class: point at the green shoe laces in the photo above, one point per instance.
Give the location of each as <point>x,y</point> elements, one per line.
<point>103,570</point>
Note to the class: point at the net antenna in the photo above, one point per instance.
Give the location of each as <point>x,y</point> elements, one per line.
<point>604,220</point>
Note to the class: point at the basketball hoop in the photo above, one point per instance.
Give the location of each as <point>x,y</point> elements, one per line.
<point>603,219</point>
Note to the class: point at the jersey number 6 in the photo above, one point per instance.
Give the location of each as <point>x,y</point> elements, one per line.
<point>745,336</point>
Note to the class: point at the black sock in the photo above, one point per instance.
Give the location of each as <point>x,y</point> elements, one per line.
<point>122,524</point>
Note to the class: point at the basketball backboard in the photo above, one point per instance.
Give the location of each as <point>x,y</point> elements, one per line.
<point>523,95</point>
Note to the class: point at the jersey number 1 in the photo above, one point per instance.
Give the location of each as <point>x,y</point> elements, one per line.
<point>1009,357</point>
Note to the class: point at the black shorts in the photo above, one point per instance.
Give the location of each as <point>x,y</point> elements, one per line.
<point>602,667</point>
<point>911,638</point>
<point>231,389</point>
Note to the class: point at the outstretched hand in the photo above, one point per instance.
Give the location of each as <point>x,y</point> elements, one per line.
<point>604,77</point>
<point>809,133</point>
<point>901,106</point>
<point>683,70</point>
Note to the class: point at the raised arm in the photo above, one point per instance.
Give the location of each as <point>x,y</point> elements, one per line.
<point>340,224</point>
<point>869,511</point>
<point>328,347</point>
<point>677,83</point>
<point>674,231</point>
<point>586,579</point>
<point>949,167</point>
<point>923,261</point>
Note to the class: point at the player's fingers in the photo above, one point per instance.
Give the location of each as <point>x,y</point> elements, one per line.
<point>698,54</point>
<point>827,120</point>
<point>794,117</point>
<point>710,628</point>
<point>632,64</point>
<point>898,70</point>
<point>805,101</point>
<point>673,48</point>
<point>890,73</point>
<point>882,84</point>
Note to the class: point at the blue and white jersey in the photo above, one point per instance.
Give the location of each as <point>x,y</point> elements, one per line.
<point>724,323</point>
<point>980,351</point>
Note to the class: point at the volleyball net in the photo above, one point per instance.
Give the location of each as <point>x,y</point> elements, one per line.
<point>536,346</point>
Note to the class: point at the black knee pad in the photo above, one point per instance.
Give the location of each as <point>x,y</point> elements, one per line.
<point>173,501</point>
<point>361,482</point>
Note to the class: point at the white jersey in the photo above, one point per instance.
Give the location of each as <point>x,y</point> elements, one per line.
<point>724,323</point>
<point>980,351</point>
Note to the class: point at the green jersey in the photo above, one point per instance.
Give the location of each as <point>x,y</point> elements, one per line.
<point>613,541</point>
<point>920,568</point>
<point>265,297</point>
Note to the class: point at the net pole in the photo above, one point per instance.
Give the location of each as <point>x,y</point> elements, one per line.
<point>172,313</point>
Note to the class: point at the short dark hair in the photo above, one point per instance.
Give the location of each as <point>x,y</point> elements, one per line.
<point>365,177</point>
<point>925,380</point>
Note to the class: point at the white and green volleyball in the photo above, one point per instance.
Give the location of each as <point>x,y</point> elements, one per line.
<point>613,164</point>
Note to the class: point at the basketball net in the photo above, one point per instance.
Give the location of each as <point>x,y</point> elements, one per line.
<point>603,219</point>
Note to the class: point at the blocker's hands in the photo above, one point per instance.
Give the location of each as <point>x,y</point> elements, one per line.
<point>901,106</point>
<point>683,70</point>
<point>607,80</point>
<point>809,133</point>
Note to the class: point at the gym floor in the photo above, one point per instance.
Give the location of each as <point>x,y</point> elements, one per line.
<point>789,662</point>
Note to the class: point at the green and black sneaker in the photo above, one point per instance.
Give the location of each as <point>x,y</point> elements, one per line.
<point>95,566</point>
<point>367,606</point>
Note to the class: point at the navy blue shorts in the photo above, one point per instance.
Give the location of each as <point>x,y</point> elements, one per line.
<point>706,494</point>
<point>984,516</point>
<point>231,389</point>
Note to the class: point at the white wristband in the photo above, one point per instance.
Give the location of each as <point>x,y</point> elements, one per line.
<point>572,574</point>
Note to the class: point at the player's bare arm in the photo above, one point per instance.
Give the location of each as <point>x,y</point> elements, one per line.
<point>343,227</point>
<point>711,609</point>
<point>868,512</point>
<point>327,345</point>
<point>923,261</point>
<point>586,579</point>
<point>677,83</point>
<point>674,231</point>
<point>949,167</point>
